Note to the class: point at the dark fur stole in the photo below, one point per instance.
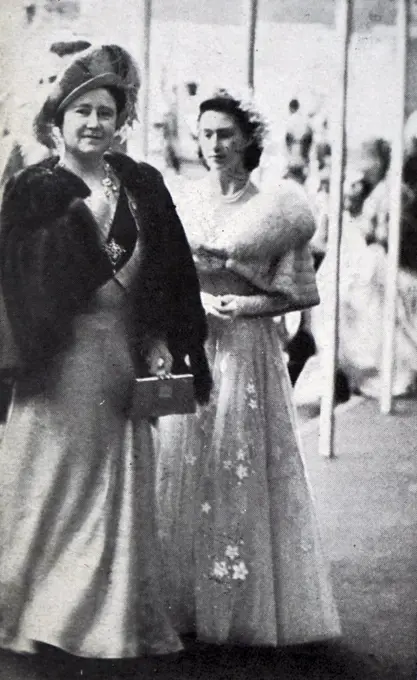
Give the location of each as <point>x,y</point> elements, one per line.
<point>51,263</point>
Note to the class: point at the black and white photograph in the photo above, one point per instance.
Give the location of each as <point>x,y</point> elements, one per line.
<point>208,340</point>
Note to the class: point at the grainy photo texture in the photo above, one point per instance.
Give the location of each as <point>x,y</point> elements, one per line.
<point>208,339</point>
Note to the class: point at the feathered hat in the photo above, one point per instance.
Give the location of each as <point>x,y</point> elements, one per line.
<point>98,66</point>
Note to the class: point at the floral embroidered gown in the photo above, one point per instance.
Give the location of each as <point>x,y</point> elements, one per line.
<point>242,555</point>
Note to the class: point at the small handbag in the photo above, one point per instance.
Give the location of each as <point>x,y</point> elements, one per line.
<point>155,397</point>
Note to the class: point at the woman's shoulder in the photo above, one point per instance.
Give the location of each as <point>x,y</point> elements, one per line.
<point>283,197</point>
<point>47,170</point>
<point>130,168</point>
<point>290,190</point>
<point>42,188</point>
<point>33,172</point>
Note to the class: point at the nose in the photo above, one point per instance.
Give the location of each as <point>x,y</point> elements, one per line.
<point>216,143</point>
<point>92,120</point>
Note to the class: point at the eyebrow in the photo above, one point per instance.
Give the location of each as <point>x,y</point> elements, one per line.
<point>88,103</point>
<point>218,129</point>
<point>103,107</point>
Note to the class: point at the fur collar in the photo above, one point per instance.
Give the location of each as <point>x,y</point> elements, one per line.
<point>124,166</point>
<point>265,228</point>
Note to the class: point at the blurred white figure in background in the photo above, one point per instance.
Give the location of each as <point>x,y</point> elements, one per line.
<point>19,146</point>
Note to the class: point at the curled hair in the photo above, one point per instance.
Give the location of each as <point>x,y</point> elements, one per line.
<point>248,119</point>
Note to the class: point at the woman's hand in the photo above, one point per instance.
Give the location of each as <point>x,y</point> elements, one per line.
<point>212,305</point>
<point>228,307</point>
<point>159,359</point>
<point>232,306</point>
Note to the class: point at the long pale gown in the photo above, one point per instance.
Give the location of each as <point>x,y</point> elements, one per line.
<point>242,555</point>
<point>79,560</point>
<point>361,319</point>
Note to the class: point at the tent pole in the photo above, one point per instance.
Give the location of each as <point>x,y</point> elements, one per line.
<point>145,76</point>
<point>331,305</point>
<point>252,15</point>
<point>394,235</point>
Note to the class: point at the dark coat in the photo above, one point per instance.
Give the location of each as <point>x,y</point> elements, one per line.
<point>51,263</point>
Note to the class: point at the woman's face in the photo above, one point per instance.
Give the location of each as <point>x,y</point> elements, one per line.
<point>222,142</point>
<point>89,123</point>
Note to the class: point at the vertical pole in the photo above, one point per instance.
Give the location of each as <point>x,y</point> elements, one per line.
<point>331,305</point>
<point>145,74</point>
<point>252,15</point>
<point>394,235</point>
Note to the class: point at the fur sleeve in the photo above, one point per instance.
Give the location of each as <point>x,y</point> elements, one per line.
<point>50,260</point>
<point>292,277</point>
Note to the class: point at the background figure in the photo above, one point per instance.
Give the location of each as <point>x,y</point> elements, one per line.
<point>100,288</point>
<point>318,185</point>
<point>188,115</point>
<point>169,128</point>
<point>314,173</point>
<point>242,557</point>
<point>362,286</point>
<point>24,148</point>
<point>298,142</point>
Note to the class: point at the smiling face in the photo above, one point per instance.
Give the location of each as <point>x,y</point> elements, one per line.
<point>89,124</point>
<point>222,142</point>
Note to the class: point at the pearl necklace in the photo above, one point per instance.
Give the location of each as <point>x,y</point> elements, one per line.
<point>233,198</point>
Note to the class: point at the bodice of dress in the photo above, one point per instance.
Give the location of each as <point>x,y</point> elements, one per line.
<point>123,247</point>
<point>122,242</point>
<point>204,220</point>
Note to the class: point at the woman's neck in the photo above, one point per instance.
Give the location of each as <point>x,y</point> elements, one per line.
<point>230,182</point>
<point>92,167</point>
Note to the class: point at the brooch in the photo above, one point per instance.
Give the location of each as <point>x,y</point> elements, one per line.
<point>114,251</point>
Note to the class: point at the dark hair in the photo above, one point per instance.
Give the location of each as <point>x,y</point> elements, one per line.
<point>381,149</point>
<point>294,105</point>
<point>118,95</point>
<point>224,103</point>
<point>192,88</point>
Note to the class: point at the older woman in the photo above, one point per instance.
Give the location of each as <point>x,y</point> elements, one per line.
<point>242,556</point>
<point>100,287</point>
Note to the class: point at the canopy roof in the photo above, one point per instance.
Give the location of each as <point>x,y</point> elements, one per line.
<point>367,13</point>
